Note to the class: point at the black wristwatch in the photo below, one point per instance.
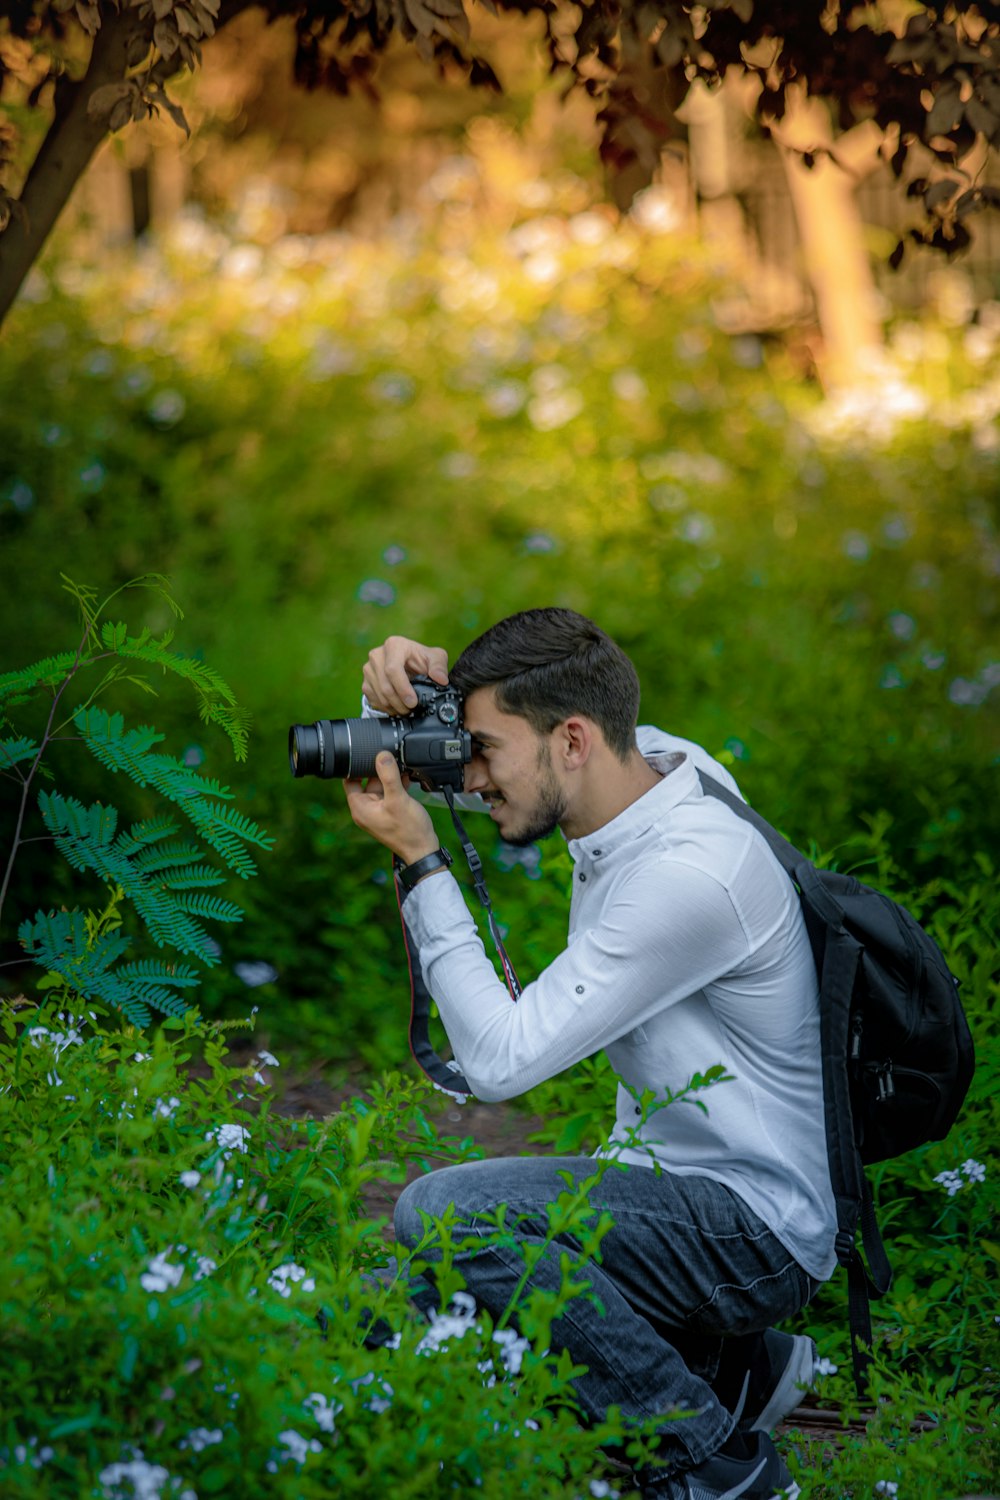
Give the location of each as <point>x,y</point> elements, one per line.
<point>408,875</point>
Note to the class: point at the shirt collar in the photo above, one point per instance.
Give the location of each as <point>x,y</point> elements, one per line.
<point>678,780</point>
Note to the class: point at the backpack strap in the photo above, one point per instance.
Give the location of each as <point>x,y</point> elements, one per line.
<point>837,956</point>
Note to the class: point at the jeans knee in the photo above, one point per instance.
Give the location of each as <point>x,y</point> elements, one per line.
<point>421,1194</point>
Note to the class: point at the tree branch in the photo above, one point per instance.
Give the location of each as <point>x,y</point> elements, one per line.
<point>72,140</point>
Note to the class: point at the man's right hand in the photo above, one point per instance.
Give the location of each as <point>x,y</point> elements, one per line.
<point>389,668</point>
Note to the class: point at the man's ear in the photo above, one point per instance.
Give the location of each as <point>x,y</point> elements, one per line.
<point>574,742</point>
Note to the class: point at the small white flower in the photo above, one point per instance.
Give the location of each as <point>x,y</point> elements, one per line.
<point>204,1267</point>
<point>886,1487</point>
<point>512,1348</point>
<point>268,1059</point>
<point>141,1056</point>
<point>189,1179</point>
<point>230,1137</point>
<point>201,1437</point>
<point>950,1181</point>
<point>298,1447</point>
<point>974,1170</point>
<point>326,1412</point>
<point>28,1453</point>
<point>281,1276</point>
<point>161,1275</point>
<point>165,1109</point>
<point>824,1367</point>
<point>145,1481</point>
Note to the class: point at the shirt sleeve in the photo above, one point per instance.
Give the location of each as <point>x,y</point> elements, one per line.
<point>660,939</point>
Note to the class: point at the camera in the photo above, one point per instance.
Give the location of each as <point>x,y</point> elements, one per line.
<point>429,744</point>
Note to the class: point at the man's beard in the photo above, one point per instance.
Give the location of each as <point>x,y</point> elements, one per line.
<point>548,811</point>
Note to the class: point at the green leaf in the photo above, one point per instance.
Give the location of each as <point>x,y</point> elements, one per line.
<point>13,751</point>
<point>47,673</point>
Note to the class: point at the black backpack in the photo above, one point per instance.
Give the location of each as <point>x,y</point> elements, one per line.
<point>897,1052</point>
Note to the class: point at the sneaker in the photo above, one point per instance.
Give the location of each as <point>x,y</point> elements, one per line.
<point>761,1476</point>
<point>781,1368</point>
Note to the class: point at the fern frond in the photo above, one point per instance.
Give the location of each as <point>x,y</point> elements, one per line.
<point>210,906</point>
<point>155,650</point>
<point>79,831</point>
<point>58,942</point>
<point>55,936</point>
<point>149,831</point>
<point>49,672</point>
<point>113,745</point>
<point>84,836</point>
<point>14,751</point>
<point>167,856</point>
<point>225,829</point>
<point>190,877</point>
<point>86,598</point>
<point>235,721</point>
<point>153,971</point>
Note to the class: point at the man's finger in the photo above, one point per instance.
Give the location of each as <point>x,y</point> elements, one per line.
<point>437,664</point>
<point>388,775</point>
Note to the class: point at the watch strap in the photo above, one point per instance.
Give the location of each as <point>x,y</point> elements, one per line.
<point>408,875</point>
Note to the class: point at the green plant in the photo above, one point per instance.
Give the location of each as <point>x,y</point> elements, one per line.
<point>164,878</point>
<point>190,1282</point>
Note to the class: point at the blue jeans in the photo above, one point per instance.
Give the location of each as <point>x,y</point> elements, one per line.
<point>686,1265</point>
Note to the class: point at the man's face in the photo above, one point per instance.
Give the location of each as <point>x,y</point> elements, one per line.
<point>512,768</point>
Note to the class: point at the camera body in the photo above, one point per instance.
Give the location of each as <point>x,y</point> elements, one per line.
<point>430,743</point>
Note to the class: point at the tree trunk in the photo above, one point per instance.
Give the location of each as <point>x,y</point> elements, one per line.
<point>65,153</point>
<point>833,243</point>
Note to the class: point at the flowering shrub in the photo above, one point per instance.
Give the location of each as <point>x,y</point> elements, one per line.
<point>185,1302</point>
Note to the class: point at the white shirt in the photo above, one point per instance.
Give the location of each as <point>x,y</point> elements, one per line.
<point>686,948</point>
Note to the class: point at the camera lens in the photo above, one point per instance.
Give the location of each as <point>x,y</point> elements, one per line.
<point>340,748</point>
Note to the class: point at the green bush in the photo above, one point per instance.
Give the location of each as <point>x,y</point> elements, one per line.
<point>185,1303</point>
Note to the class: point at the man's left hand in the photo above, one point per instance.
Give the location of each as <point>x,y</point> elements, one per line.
<point>383,808</point>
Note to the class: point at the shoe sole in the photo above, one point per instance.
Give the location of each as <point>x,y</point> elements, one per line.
<point>796,1378</point>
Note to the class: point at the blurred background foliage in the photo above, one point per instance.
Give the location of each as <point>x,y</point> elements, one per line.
<point>403,369</point>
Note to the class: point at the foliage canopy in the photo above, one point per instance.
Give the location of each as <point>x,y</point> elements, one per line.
<point>73,70</point>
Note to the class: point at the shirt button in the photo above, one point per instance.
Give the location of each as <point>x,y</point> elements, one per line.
<point>638,1109</point>
<point>582,875</point>
<point>598,853</point>
<point>579,989</point>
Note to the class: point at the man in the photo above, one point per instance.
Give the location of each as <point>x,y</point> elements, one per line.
<point>686,948</point>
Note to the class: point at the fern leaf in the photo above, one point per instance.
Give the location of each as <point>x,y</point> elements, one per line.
<point>190,877</point>
<point>115,747</point>
<point>149,831</point>
<point>114,634</point>
<point>166,857</point>
<point>210,906</point>
<point>47,673</point>
<point>235,721</point>
<point>153,971</point>
<point>59,942</point>
<point>79,831</point>
<point>84,836</point>
<point>227,830</point>
<point>14,751</point>
<point>150,649</point>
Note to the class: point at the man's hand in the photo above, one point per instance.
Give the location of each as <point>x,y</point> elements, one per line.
<point>383,808</point>
<point>389,668</point>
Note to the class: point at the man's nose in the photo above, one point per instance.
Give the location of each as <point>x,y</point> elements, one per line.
<point>476,779</point>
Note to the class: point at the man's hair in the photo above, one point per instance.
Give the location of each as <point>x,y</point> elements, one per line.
<point>547,664</point>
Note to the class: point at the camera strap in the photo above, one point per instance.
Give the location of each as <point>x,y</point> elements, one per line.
<point>447,1076</point>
